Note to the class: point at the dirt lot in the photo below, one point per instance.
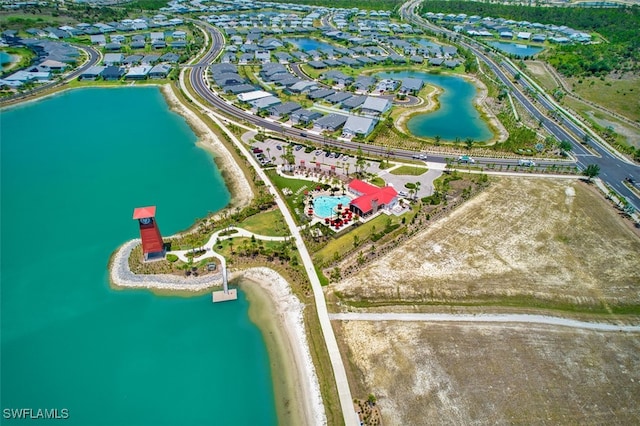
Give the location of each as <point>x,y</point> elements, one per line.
<point>430,373</point>
<point>522,242</point>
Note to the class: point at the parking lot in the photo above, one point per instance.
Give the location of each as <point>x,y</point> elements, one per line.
<point>271,148</point>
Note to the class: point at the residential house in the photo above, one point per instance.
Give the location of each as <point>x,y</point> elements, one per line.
<point>138,72</point>
<point>113,59</point>
<point>358,126</point>
<point>284,110</point>
<point>160,71</point>
<point>320,94</point>
<point>92,73</point>
<point>112,72</point>
<point>304,116</point>
<point>375,106</point>
<point>330,122</point>
<point>353,102</point>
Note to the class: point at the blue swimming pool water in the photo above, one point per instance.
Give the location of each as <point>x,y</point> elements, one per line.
<point>323,206</point>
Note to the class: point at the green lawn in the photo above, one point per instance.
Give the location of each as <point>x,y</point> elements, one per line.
<point>377,181</point>
<point>344,243</point>
<point>409,170</point>
<point>620,96</point>
<point>297,186</point>
<point>267,223</point>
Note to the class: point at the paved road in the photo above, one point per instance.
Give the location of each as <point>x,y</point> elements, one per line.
<point>613,169</point>
<point>485,318</point>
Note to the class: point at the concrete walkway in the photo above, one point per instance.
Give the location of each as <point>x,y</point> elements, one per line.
<point>342,384</point>
<point>486,318</point>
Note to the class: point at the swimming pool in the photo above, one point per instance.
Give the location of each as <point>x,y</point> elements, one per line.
<point>323,206</point>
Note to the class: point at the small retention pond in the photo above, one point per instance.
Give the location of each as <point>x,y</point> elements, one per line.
<point>516,49</point>
<point>306,44</point>
<point>455,118</point>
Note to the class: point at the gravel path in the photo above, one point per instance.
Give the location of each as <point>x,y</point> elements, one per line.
<point>485,318</point>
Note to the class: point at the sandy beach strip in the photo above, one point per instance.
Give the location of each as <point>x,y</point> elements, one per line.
<point>278,314</point>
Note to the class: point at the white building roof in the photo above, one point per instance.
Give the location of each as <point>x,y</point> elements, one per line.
<point>252,96</point>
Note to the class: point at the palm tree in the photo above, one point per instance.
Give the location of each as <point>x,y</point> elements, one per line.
<point>418,183</point>
<point>268,152</point>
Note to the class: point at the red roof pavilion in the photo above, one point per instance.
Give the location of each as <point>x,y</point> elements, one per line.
<point>142,212</point>
<point>370,194</point>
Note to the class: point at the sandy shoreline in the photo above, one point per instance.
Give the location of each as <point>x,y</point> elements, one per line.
<point>278,314</point>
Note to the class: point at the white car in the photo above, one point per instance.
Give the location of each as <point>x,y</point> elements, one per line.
<point>402,194</point>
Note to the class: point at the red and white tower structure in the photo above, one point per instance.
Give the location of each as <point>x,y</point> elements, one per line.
<point>152,244</point>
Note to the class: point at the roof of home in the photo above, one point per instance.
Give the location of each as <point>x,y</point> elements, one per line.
<point>411,83</point>
<point>160,69</point>
<point>306,115</point>
<point>353,102</point>
<point>371,194</point>
<point>376,104</point>
<point>338,97</point>
<point>285,108</point>
<point>331,121</point>
<point>359,125</point>
<point>265,102</point>
<point>321,93</point>
<point>251,96</point>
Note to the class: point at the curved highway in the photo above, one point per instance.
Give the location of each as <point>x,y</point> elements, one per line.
<point>613,169</point>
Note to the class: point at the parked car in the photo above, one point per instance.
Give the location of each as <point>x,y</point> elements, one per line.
<point>402,194</point>
<point>278,147</point>
<point>298,147</point>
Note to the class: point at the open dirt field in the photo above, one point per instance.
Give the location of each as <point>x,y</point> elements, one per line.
<point>455,374</point>
<point>522,242</point>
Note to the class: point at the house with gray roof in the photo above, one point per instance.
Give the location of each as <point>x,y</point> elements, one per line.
<point>265,103</point>
<point>317,64</point>
<point>353,102</point>
<point>112,72</point>
<point>304,116</point>
<point>358,126</point>
<point>364,83</point>
<point>338,98</point>
<point>411,85</point>
<point>92,73</point>
<point>283,110</point>
<point>330,122</point>
<point>113,59</point>
<point>375,106</point>
<point>320,94</point>
<point>138,73</point>
<point>236,89</point>
<point>338,78</point>
<point>132,59</point>
<point>150,59</point>
<point>303,86</point>
<point>160,71</point>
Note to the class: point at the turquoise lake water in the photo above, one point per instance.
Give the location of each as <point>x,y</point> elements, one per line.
<point>305,44</point>
<point>5,58</point>
<point>456,117</point>
<point>517,49</point>
<point>73,167</point>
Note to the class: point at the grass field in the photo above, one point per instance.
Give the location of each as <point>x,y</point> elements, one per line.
<point>482,374</point>
<point>409,170</point>
<point>266,223</point>
<point>522,243</point>
<point>621,96</point>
